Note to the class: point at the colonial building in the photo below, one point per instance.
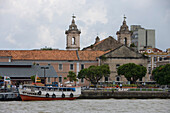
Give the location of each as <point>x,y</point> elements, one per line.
<point>62,61</point>
<point>156,57</point>
<point>119,56</point>
<point>118,53</point>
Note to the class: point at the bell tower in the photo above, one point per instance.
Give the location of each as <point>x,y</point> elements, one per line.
<point>73,36</point>
<point>124,35</point>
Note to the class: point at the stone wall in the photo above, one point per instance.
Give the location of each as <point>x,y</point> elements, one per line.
<point>124,94</point>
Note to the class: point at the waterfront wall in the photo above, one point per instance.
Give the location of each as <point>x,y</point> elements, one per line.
<point>124,94</point>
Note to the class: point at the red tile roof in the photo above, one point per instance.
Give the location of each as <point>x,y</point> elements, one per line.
<point>51,54</point>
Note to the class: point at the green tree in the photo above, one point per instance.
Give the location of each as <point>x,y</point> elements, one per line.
<point>33,78</point>
<point>132,45</point>
<point>72,76</point>
<point>132,72</point>
<point>94,73</point>
<point>161,74</point>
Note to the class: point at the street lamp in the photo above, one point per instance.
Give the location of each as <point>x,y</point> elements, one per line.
<point>44,73</point>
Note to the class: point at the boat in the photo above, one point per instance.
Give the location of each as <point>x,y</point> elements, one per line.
<point>40,93</point>
<point>9,94</point>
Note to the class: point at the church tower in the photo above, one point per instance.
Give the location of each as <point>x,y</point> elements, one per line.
<point>124,35</point>
<point>73,36</point>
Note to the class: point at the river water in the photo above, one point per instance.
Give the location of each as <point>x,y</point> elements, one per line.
<point>88,106</point>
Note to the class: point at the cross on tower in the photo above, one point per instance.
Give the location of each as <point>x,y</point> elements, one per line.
<point>73,16</point>
<point>124,17</point>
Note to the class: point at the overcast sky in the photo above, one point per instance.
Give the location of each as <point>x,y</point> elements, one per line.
<point>34,24</point>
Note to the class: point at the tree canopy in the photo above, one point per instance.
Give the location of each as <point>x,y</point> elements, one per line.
<point>72,76</point>
<point>94,73</point>
<point>33,78</point>
<point>161,74</point>
<point>132,72</point>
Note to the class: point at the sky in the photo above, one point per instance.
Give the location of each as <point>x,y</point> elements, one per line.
<point>34,24</point>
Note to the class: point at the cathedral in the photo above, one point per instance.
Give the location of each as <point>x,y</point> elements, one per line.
<point>53,66</point>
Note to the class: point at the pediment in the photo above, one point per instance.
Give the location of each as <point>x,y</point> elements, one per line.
<point>123,52</point>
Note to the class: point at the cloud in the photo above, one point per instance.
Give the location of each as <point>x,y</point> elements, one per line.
<point>38,23</point>
<point>10,39</point>
<point>94,13</point>
<point>45,37</point>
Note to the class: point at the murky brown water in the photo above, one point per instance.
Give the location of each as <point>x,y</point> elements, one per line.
<point>88,106</point>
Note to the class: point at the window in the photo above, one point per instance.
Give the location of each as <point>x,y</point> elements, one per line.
<point>82,80</point>
<point>106,79</point>
<point>117,66</point>
<point>125,41</point>
<point>140,79</point>
<point>149,69</point>
<point>155,59</point>
<point>60,67</point>
<point>71,66</point>
<point>82,66</point>
<point>160,58</point>
<point>149,59</point>
<point>49,80</point>
<point>117,78</point>
<point>73,41</point>
<point>60,79</point>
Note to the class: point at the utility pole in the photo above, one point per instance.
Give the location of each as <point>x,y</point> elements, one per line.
<point>45,73</point>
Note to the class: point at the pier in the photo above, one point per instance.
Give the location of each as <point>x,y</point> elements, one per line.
<point>124,94</point>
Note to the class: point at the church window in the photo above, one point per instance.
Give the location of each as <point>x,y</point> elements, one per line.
<point>73,41</point>
<point>106,79</point>
<point>117,66</point>
<point>118,78</point>
<point>140,79</point>
<point>125,41</point>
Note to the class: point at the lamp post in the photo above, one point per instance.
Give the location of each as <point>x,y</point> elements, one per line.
<point>44,73</point>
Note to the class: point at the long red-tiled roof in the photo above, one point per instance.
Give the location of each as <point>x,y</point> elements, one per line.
<point>4,53</point>
<point>51,54</point>
<point>41,54</point>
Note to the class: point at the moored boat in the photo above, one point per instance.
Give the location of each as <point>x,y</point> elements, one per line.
<point>38,93</point>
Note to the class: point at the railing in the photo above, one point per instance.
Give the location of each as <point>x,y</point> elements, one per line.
<point>2,90</point>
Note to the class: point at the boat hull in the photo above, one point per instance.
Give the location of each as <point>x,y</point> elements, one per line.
<point>36,98</point>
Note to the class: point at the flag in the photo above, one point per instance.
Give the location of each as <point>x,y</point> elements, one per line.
<point>37,79</point>
<point>6,78</point>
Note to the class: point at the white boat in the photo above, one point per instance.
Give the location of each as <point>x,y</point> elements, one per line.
<point>32,93</point>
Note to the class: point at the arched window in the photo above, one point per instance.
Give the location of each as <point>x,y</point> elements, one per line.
<point>125,41</point>
<point>73,41</point>
<point>117,78</point>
